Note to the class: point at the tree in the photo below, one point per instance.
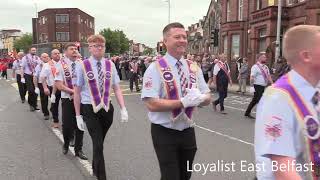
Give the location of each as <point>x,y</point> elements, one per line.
<point>116,41</point>
<point>148,51</point>
<point>23,43</point>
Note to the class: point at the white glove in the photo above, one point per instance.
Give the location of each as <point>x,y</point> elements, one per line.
<point>23,80</point>
<point>37,90</point>
<point>124,115</point>
<point>53,98</point>
<point>252,90</point>
<point>193,98</point>
<point>80,123</point>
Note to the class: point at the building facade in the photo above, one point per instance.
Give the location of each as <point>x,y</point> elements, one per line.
<point>211,28</point>
<point>7,38</point>
<point>249,27</point>
<point>195,38</point>
<point>55,27</point>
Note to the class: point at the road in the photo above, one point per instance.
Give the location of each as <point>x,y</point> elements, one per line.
<point>31,149</point>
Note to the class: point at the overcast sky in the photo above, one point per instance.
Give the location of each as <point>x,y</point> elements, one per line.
<point>141,20</point>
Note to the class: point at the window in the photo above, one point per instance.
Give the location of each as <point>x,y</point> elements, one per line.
<point>79,19</point>
<point>62,36</point>
<point>318,19</point>
<point>225,44</point>
<point>240,10</point>
<point>258,4</point>
<point>228,10</point>
<point>43,20</point>
<point>235,46</point>
<point>91,25</point>
<point>62,18</point>
<point>262,40</point>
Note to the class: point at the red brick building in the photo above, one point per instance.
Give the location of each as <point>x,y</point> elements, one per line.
<point>55,27</point>
<point>249,27</point>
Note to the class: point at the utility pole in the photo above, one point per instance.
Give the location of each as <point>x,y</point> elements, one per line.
<point>278,46</point>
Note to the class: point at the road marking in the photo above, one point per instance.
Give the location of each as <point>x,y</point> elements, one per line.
<point>85,163</point>
<point>239,109</point>
<point>224,135</point>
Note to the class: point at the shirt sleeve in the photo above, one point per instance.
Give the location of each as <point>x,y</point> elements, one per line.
<point>115,75</point>
<point>59,72</point>
<point>44,71</point>
<point>23,63</point>
<point>254,71</point>
<point>151,82</point>
<point>275,128</point>
<point>216,69</point>
<point>79,75</point>
<point>37,71</point>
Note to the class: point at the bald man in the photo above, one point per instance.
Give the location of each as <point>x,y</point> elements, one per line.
<point>47,78</point>
<point>260,78</point>
<point>287,126</point>
<point>56,94</point>
<point>39,88</point>
<point>16,73</point>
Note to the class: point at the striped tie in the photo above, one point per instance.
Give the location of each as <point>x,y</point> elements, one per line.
<point>101,77</point>
<point>183,79</point>
<point>73,69</point>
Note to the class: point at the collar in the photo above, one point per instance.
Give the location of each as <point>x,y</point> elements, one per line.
<point>171,60</point>
<point>302,85</point>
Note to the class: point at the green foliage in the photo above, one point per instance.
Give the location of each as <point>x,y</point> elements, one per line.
<point>116,41</point>
<point>23,43</point>
<point>148,51</point>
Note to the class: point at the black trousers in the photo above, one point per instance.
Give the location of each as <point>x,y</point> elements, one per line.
<point>55,107</point>
<point>69,125</point>
<point>256,97</point>
<point>134,78</point>
<point>22,87</point>
<point>174,149</point>
<point>4,74</point>
<point>206,77</point>
<point>223,92</point>
<point>32,96</point>
<point>44,99</point>
<point>98,125</point>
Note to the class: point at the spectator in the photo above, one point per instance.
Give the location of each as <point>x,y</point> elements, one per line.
<point>243,75</point>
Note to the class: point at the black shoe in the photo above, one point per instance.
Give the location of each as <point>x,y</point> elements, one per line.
<point>81,155</point>
<point>222,112</point>
<point>138,90</point>
<point>64,150</point>
<point>238,91</point>
<point>46,117</point>
<point>22,101</point>
<point>249,116</point>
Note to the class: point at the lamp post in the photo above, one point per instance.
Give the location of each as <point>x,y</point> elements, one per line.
<point>277,53</point>
<point>169,10</point>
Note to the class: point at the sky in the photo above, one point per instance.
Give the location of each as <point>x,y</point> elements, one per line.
<point>141,20</point>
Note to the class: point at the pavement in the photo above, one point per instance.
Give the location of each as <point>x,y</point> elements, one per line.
<point>31,149</point>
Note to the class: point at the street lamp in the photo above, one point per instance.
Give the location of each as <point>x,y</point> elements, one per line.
<point>169,9</point>
<point>277,53</point>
